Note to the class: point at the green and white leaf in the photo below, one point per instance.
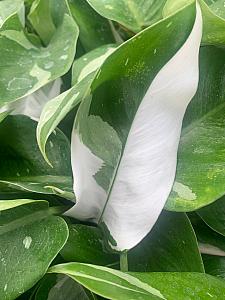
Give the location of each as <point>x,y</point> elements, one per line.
<point>32,105</point>
<point>201,149</point>
<point>90,62</point>
<point>135,15</point>
<point>22,165</point>
<point>9,8</point>
<point>124,146</point>
<point>26,67</point>
<point>115,285</point>
<point>30,238</point>
<point>84,71</point>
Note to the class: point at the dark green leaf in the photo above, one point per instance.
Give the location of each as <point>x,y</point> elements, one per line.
<point>85,244</point>
<point>201,162</point>
<point>22,165</point>
<point>94,29</point>
<point>214,215</point>
<point>210,242</point>
<point>214,265</point>
<point>30,238</point>
<point>171,246</point>
<point>59,287</point>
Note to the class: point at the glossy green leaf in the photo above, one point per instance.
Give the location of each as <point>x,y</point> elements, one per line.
<point>214,215</point>
<point>171,246</point>
<point>41,19</point>
<point>85,244</point>
<point>116,285</point>
<point>132,14</point>
<point>213,23</point>
<point>94,29</point>
<point>114,147</point>
<point>201,163</point>
<point>214,265</point>
<point>26,67</point>
<point>30,238</point>
<point>22,166</point>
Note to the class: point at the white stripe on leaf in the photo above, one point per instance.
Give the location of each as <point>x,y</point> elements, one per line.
<point>147,167</point>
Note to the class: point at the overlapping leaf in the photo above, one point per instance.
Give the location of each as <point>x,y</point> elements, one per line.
<point>95,30</point>
<point>171,234</point>
<point>85,244</point>
<point>116,285</point>
<point>122,152</point>
<point>132,14</point>
<point>10,7</point>
<point>213,19</point>
<point>30,238</point>
<point>171,246</point>
<point>201,163</point>
<point>22,166</point>
<point>26,67</point>
<point>83,73</point>
<point>59,287</point>
<point>214,215</point>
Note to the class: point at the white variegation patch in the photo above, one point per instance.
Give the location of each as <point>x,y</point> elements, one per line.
<point>210,249</point>
<point>33,104</point>
<point>146,171</point>
<point>85,165</point>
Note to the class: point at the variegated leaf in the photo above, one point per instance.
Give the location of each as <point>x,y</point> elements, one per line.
<point>126,134</point>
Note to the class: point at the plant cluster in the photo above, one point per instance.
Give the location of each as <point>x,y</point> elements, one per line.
<point>112,143</point>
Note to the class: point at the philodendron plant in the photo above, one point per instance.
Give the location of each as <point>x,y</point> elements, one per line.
<point>112,132</point>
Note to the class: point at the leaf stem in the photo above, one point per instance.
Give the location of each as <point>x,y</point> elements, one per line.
<point>123,261</point>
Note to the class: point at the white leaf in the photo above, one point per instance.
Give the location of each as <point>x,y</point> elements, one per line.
<point>146,170</point>
<point>33,104</point>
